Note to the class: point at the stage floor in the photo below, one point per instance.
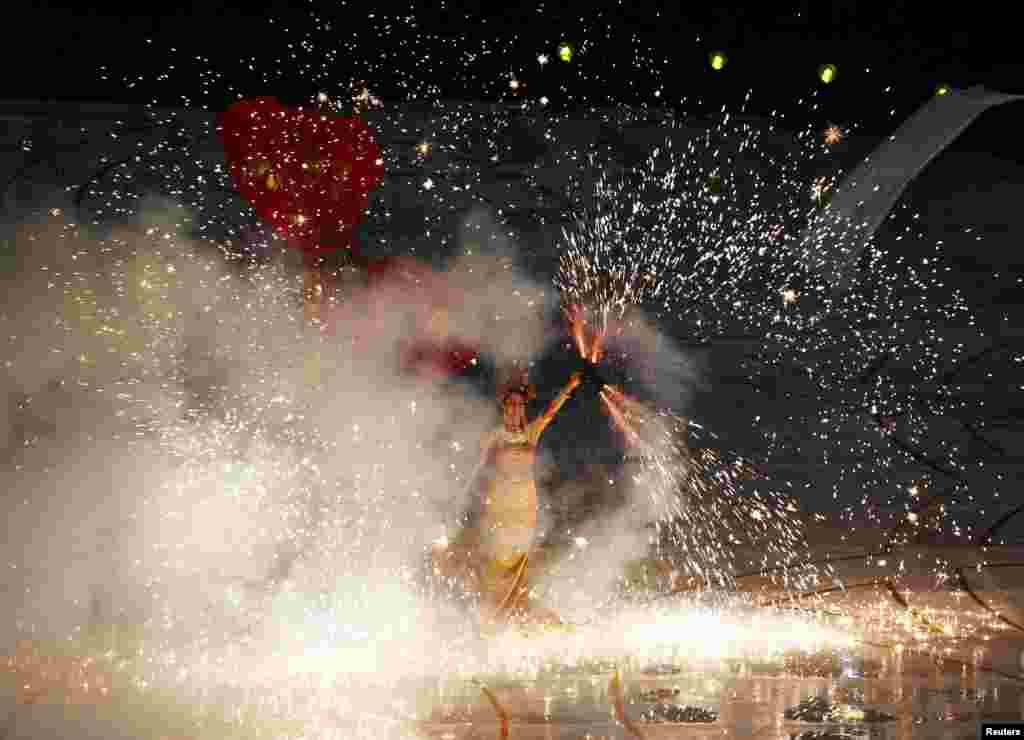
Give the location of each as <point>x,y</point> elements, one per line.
<point>932,704</point>
<point>749,700</point>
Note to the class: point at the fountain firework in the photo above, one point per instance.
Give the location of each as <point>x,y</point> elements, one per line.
<point>709,527</point>
<point>685,230</point>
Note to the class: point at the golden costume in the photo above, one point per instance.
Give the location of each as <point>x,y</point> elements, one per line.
<point>509,509</point>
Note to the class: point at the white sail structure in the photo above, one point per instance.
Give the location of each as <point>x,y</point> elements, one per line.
<point>838,234</point>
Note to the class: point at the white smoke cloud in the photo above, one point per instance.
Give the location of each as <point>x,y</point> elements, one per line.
<point>179,441</point>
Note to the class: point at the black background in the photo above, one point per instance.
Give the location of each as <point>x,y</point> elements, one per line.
<point>774,48</point>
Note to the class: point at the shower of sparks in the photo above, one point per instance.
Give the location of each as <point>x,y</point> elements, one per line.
<point>716,514</point>
<point>880,367</point>
<point>709,528</point>
<point>822,189</point>
<point>883,396</point>
<point>659,237</point>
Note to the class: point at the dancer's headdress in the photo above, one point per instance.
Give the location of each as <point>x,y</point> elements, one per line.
<point>516,379</point>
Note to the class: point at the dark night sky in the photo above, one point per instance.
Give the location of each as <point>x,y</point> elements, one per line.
<point>773,48</point>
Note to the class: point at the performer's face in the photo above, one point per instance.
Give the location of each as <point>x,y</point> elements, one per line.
<point>515,412</point>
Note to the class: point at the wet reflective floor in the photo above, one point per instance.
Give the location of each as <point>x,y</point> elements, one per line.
<point>924,704</point>
<point>744,700</point>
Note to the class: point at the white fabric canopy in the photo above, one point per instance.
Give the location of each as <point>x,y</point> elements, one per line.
<point>837,236</point>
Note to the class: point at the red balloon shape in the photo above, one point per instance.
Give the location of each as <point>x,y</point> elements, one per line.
<point>307,174</point>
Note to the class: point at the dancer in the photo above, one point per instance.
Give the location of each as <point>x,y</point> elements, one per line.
<point>508,515</point>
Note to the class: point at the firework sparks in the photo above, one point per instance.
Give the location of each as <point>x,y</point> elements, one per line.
<point>656,237</point>
<point>708,522</point>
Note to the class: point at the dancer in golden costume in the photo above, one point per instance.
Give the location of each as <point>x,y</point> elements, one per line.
<point>509,499</point>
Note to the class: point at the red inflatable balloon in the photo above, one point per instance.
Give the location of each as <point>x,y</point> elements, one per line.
<point>307,174</point>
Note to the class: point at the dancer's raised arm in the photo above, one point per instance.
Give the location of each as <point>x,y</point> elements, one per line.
<point>487,440</point>
<point>549,414</point>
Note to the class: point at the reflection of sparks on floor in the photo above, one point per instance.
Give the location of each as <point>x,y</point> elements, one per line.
<point>60,679</point>
<point>571,678</point>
